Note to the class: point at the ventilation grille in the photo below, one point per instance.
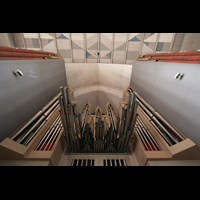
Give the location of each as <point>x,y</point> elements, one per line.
<point>106,162</point>
<point>114,162</point>
<point>82,162</point>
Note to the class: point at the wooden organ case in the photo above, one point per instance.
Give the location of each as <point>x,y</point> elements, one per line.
<point>38,138</point>
<point>156,138</point>
<point>44,136</point>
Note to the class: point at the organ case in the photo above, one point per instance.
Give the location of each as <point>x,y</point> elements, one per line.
<point>182,147</point>
<point>14,147</point>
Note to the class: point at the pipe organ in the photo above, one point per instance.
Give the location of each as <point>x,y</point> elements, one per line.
<point>113,135</point>
<point>137,128</point>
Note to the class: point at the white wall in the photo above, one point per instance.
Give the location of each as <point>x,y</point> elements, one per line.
<point>98,83</point>
<point>82,74</point>
<point>115,75</point>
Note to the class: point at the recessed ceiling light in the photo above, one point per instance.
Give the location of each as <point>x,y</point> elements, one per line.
<point>98,54</point>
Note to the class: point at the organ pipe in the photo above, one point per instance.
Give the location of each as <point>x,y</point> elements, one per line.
<point>86,134</point>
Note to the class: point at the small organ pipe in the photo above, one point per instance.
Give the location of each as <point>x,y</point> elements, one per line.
<point>52,136</point>
<point>148,133</point>
<point>159,116</point>
<point>161,133</point>
<point>145,138</point>
<point>48,131</point>
<point>40,120</point>
<point>65,103</point>
<point>133,115</point>
<point>138,132</point>
<point>122,126</point>
<point>26,142</point>
<point>175,140</point>
<point>62,114</point>
<point>38,114</point>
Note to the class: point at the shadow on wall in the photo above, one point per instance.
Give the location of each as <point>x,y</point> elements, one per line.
<point>105,97</point>
<point>92,97</point>
<point>98,98</point>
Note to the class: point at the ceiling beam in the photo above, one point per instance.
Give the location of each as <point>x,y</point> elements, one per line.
<point>172,42</point>
<point>40,43</point>
<point>54,36</point>
<point>157,39</point>
<point>70,39</point>
<point>84,43</point>
<point>112,50</point>
<point>24,40</point>
<point>98,46</point>
<point>127,38</point>
<point>141,44</point>
<point>183,42</point>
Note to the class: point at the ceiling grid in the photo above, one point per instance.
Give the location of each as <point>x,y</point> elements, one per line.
<point>119,48</point>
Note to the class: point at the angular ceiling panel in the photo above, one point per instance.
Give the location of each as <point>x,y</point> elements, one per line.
<point>45,36</point>
<point>94,46</point>
<point>103,47</point>
<point>164,42</point>
<point>64,46</point>
<point>48,42</point>
<point>149,37</point>
<point>75,45</point>
<point>114,47</point>
<point>134,39</point>
<point>62,36</point>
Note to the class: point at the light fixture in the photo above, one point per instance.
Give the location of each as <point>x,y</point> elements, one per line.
<point>98,54</point>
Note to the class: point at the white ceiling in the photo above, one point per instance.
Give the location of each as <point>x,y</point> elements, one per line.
<point>119,48</point>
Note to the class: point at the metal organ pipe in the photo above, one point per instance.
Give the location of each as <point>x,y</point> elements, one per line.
<point>86,134</point>
<point>28,131</point>
<point>93,134</point>
<point>113,138</point>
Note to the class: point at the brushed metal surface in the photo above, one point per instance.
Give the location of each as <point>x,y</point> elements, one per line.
<point>22,96</point>
<point>177,100</point>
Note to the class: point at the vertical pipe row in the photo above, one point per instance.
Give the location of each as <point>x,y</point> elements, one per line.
<point>146,137</point>
<point>128,121</point>
<point>167,131</point>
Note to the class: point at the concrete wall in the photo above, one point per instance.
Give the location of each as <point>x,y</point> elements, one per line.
<point>115,75</point>
<point>98,83</point>
<point>82,74</point>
